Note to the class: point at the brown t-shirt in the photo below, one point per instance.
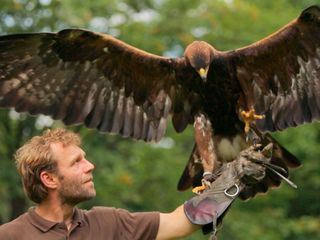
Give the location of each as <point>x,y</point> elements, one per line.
<point>95,224</point>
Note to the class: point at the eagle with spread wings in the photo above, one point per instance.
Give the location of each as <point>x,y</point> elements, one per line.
<point>80,76</point>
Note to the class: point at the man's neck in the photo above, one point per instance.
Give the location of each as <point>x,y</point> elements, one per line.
<point>55,211</point>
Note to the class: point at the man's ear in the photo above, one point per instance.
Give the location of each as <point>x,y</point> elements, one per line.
<point>50,180</point>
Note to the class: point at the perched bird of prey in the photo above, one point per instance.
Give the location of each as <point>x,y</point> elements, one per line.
<point>80,76</point>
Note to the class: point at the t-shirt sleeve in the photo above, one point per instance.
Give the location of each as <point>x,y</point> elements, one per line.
<point>127,225</point>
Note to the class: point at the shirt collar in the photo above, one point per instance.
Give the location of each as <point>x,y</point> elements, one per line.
<point>45,225</point>
<point>78,217</point>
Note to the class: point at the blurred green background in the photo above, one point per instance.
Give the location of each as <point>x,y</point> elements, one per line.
<point>143,177</point>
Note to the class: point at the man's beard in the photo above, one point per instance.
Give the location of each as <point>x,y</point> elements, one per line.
<point>73,191</point>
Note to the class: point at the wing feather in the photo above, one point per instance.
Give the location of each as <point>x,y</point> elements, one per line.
<point>280,75</point>
<point>85,77</point>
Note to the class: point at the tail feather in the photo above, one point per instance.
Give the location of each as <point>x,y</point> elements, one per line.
<point>192,173</point>
<point>289,159</point>
<point>281,157</point>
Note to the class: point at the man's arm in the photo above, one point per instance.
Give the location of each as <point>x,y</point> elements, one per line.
<point>175,225</point>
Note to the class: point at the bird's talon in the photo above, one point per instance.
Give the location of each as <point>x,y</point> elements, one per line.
<point>249,117</point>
<point>198,190</point>
<point>206,184</point>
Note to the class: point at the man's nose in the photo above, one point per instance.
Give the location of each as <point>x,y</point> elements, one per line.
<point>89,166</point>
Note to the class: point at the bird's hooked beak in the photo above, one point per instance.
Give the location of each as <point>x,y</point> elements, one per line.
<point>203,74</point>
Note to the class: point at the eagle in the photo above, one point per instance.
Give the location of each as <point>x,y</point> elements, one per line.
<point>90,78</point>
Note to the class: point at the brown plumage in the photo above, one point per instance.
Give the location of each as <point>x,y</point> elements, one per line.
<point>80,76</point>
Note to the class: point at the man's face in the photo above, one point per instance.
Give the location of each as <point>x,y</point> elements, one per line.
<point>74,174</point>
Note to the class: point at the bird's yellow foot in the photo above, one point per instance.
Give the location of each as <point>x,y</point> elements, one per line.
<point>198,190</point>
<point>249,117</point>
<point>206,183</point>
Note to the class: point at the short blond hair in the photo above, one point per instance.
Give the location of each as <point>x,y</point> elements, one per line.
<point>36,156</point>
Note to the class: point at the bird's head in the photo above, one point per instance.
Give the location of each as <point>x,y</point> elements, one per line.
<point>199,55</point>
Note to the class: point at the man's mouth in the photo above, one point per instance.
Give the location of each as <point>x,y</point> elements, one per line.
<point>88,180</point>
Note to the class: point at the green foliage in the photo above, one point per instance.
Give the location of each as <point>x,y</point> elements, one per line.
<point>143,177</point>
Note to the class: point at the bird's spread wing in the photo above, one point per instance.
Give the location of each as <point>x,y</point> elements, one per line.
<point>81,76</point>
<point>280,75</point>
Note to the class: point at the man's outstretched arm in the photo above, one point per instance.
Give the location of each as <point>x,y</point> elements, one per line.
<point>175,225</point>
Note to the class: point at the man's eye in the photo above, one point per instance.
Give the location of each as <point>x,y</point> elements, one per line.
<point>76,161</point>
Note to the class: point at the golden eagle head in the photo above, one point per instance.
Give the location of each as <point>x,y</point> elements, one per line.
<point>199,55</point>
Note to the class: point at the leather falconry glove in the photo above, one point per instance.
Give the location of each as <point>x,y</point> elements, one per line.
<point>209,207</point>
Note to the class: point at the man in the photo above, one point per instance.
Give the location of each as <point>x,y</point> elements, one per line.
<point>57,176</point>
